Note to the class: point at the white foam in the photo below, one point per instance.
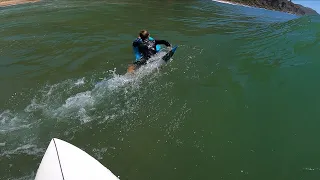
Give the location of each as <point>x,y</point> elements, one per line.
<point>311,169</point>
<point>34,106</point>
<point>99,152</point>
<point>239,4</point>
<point>135,78</point>
<point>77,101</point>
<point>79,81</point>
<point>62,101</point>
<point>27,177</point>
<point>52,94</point>
<point>80,100</point>
<point>11,122</point>
<point>225,2</point>
<point>29,149</point>
<point>84,117</point>
<point>233,3</point>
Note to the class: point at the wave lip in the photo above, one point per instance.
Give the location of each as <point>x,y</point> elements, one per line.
<point>16,2</point>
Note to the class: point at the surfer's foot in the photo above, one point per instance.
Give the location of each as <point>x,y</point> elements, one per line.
<point>131,68</point>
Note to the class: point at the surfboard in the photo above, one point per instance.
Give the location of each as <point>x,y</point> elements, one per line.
<point>166,58</point>
<point>169,54</point>
<point>64,161</point>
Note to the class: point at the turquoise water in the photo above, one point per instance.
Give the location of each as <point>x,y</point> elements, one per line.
<point>239,100</point>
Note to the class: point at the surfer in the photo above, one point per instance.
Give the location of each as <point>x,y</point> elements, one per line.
<point>145,47</point>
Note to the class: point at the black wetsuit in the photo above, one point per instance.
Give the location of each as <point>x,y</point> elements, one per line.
<point>147,48</point>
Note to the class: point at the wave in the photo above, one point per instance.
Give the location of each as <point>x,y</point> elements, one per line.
<point>281,44</point>
<point>111,104</point>
<point>94,102</point>
<point>72,102</point>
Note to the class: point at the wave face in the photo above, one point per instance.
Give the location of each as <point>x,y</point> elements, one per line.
<point>239,98</point>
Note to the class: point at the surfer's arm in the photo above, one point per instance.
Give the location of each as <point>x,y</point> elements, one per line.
<point>139,45</point>
<point>163,42</point>
<point>136,43</point>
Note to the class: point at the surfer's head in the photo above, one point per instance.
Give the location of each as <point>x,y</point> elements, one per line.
<point>144,34</point>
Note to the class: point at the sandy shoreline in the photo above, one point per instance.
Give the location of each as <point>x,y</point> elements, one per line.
<point>4,3</point>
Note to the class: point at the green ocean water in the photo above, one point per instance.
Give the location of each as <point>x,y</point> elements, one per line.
<point>239,100</point>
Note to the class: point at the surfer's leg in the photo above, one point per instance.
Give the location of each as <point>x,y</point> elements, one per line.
<point>136,65</point>
<point>131,68</point>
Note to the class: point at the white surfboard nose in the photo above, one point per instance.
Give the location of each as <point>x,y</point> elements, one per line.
<point>64,161</point>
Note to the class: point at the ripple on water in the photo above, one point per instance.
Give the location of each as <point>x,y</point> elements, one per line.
<point>72,101</point>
